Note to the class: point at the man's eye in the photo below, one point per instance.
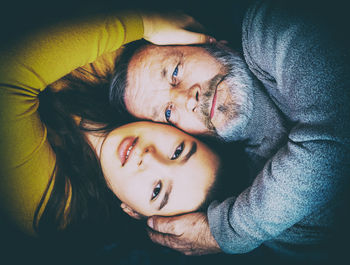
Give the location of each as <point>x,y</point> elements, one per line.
<point>178,151</point>
<point>176,71</point>
<point>174,76</point>
<point>167,113</point>
<point>156,190</point>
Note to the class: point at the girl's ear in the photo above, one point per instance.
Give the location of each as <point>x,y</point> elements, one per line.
<point>131,212</point>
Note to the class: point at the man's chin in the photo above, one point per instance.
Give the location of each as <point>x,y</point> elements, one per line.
<point>222,128</point>
<point>211,132</point>
<point>230,131</point>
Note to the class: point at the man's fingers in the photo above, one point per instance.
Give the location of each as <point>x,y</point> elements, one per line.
<point>189,37</point>
<point>194,37</point>
<point>181,37</point>
<point>165,225</point>
<point>159,238</point>
<point>156,237</point>
<point>167,240</point>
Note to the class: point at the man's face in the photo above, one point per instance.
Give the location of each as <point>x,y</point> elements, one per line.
<point>181,85</point>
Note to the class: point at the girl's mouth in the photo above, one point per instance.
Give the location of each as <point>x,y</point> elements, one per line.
<point>125,148</point>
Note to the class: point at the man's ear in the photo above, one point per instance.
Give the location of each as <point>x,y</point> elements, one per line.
<point>131,211</point>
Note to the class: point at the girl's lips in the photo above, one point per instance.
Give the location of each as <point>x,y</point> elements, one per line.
<point>125,148</point>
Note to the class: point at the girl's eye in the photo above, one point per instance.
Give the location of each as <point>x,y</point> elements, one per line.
<point>156,191</point>
<point>178,151</point>
<point>167,113</point>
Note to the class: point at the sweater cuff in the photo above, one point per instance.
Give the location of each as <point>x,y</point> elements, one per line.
<point>221,226</point>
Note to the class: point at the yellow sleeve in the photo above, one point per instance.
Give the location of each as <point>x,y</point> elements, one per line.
<point>26,68</point>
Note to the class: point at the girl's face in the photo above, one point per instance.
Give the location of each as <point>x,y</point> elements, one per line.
<point>156,169</point>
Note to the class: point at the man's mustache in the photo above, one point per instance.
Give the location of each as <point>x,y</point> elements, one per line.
<point>207,96</point>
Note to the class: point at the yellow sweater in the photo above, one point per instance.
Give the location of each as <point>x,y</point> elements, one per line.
<point>26,68</point>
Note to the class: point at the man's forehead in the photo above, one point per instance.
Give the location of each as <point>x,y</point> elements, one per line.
<point>144,98</point>
<point>150,57</point>
<point>146,78</point>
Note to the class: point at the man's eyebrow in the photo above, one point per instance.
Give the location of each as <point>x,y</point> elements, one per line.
<point>191,152</point>
<point>155,113</point>
<point>166,197</point>
<point>164,72</point>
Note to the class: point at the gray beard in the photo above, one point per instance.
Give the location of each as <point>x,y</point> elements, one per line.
<point>241,82</point>
<point>239,112</point>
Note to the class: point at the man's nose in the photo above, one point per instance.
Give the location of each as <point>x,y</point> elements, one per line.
<point>189,98</point>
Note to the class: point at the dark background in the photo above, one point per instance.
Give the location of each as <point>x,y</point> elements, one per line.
<point>18,17</point>
<point>129,244</point>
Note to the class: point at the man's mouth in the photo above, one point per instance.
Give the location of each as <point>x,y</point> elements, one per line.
<point>213,103</point>
<point>125,148</point>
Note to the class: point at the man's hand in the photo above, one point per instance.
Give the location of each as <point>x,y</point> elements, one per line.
<point>189,233</point>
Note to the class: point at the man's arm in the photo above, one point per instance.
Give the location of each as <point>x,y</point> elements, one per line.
<point>300,180</point>
<point>306,73</point>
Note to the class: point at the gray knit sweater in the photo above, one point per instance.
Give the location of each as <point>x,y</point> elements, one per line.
<point>300,130</point>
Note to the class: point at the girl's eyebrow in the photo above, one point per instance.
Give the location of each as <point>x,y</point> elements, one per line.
<point>166,196</point>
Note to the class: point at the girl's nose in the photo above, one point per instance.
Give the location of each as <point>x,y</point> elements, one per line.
<point>152,157</point>
<point>146,155</point>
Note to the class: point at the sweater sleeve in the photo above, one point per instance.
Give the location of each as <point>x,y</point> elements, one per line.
<point>26,68</point>
<point>306,73</point>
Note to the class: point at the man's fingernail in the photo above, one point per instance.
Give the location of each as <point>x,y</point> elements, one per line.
<point>212,40</point>
<point>150,222</point>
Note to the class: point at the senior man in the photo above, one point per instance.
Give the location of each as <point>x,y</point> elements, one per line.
<point>287,100</point>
